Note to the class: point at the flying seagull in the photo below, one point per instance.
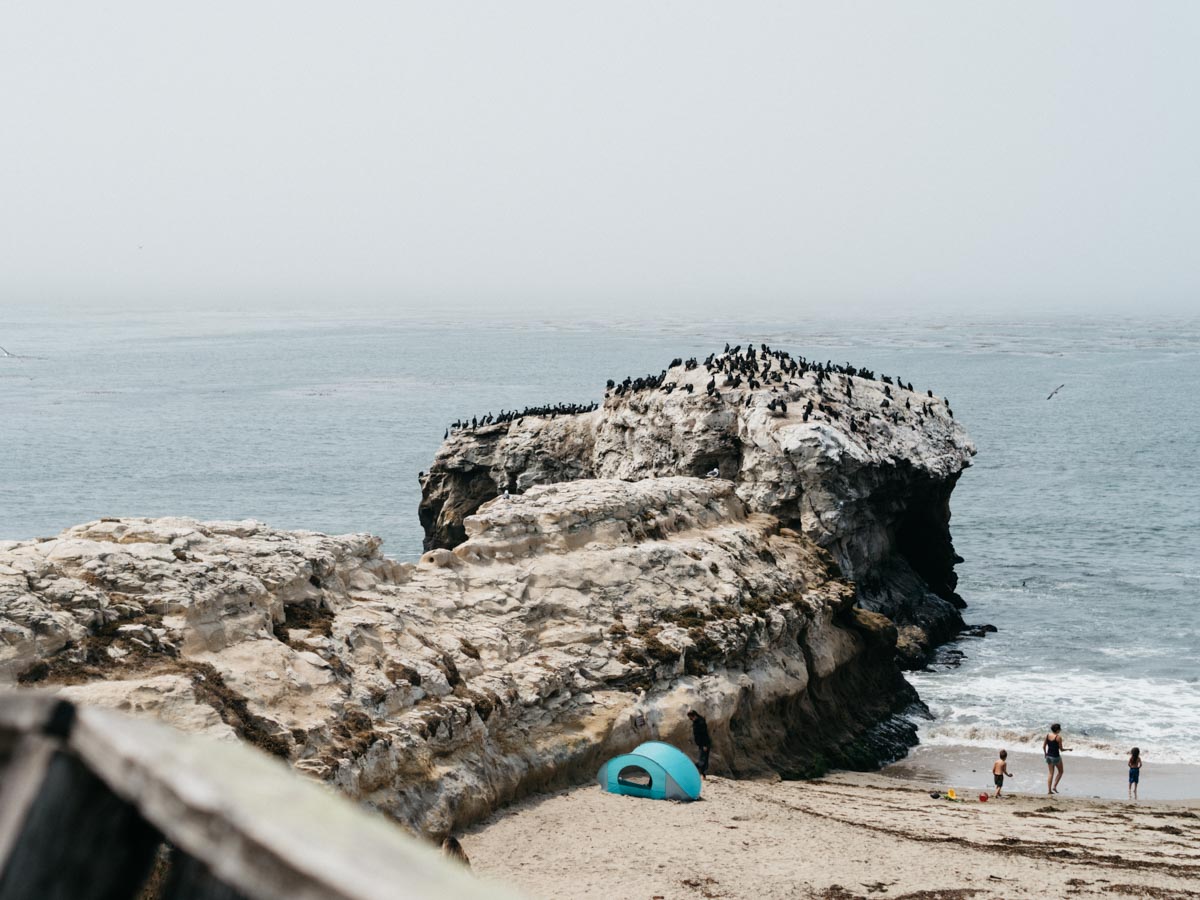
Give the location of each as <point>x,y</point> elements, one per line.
<point>6,353</point>
<point>1056,390</point>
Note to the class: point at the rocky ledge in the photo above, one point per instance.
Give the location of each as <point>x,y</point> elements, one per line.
<point>573,622</point>
<point>862,465</point>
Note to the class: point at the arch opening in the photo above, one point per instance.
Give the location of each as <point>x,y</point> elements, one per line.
<point>634,776</point>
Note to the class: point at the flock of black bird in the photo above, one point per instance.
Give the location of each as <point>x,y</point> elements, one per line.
<point>756,368</point>
<point>545,412</point>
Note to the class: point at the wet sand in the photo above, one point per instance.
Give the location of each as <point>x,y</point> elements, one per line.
<point>1083,776</point>
<point>849,835</point>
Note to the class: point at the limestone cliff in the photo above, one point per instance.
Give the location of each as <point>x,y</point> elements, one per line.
<point>863,466</point>
<point>573,622</point>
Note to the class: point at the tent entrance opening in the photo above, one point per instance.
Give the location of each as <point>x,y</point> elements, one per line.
<point>634,776</point>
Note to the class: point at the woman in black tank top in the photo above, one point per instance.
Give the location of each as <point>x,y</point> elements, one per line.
<point>1052,747</point>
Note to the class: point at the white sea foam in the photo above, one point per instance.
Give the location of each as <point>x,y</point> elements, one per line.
<point>1102,715</point>
<point>1029,742</point>
<point>1134,652</point>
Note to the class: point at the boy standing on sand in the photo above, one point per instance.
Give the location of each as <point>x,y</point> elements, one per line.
<point>999,770</point>
<point>1135,771</point>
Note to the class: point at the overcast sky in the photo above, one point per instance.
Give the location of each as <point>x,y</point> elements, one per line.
<point>899,156</point>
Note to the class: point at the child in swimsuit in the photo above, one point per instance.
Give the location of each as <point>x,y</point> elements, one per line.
<point>999,770</point>
<point>1135,771</point>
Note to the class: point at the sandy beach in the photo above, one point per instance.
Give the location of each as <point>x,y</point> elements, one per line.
<point>849,835</point>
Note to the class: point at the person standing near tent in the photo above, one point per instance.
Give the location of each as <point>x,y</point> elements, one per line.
<point>702,739</point>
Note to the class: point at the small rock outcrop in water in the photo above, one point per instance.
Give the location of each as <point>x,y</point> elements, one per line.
<point>573,623</point>
<point>862,466</point>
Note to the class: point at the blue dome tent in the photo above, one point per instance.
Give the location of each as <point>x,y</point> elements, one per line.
<point>653,770</point>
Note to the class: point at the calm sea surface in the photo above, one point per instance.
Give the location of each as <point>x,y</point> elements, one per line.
<point>1079,522</point>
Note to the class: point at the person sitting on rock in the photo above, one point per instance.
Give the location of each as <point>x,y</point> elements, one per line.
<point>703,741</point>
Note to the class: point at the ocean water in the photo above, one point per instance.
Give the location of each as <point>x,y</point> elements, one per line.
<point>1079,522</point>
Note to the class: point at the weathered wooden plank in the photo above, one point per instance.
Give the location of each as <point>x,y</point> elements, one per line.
<point>22,777</point>
<point>26,712</point>
<point>249,822</point>
<point>190,879</point>
<point>32,727</point>
<point>78,840</point>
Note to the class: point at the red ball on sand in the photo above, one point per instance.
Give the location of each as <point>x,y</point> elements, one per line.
<point>983,798</point>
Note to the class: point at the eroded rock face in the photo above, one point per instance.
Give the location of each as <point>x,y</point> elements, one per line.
<point>573,622</point>
<point>866,473</point>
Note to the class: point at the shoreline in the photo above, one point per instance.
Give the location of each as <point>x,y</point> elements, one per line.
<point>843,837</point>
<point>968,768</point>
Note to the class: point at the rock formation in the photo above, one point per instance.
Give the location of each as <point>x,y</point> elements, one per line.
<point>583,587</point>
<point>862,466</point>
<point>574,622</point>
